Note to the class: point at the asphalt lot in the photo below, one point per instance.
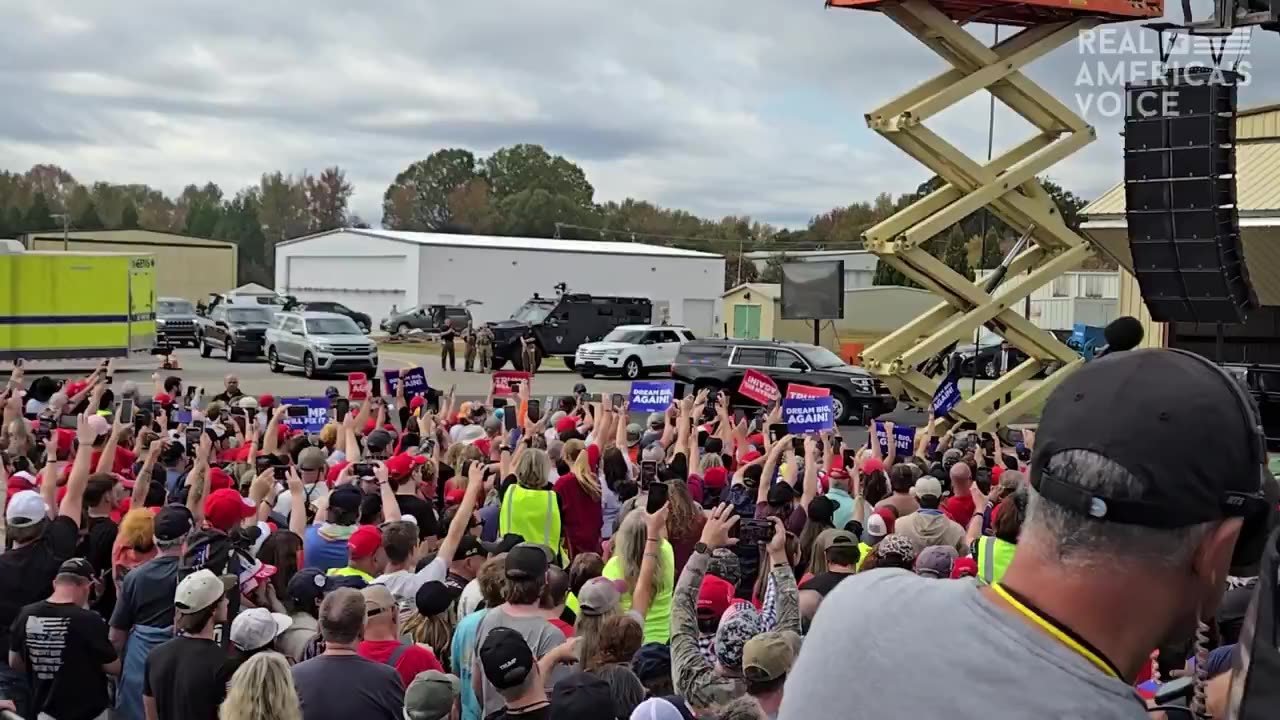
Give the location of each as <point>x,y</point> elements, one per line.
<point>256,379</point>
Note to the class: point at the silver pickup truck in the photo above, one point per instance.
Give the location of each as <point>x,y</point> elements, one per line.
<point>320,344</point>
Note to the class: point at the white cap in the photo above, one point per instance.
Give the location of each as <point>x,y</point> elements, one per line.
<point>99,425</point>
<point>927,486</point>
<point>26,508</point>
<point>199,591</point>
<point>876,526</point>
<point>255,628</point>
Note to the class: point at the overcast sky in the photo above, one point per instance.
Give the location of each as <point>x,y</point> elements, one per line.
<point>716,106</point>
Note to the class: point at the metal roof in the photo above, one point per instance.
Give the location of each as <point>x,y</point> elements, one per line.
<point>773,291</point>
<point>496,242</point>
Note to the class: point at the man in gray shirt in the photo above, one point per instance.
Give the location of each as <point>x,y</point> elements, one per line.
<point>1146,465</point>
<point>526,569</point>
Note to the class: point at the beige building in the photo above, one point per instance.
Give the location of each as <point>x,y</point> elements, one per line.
<point>186,267</point>
<point>754,311</point>
<point>1258,200</point>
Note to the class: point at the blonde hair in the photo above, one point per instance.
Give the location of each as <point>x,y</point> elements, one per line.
<point>459,452</point>
<point>329,435</point>
<point>585,475</point>
<point>137,530</point>
<point>628,547</point>
<point>435,631</point>
<point>588,629</point>
<point>262,689</point>
<point>708,461</point>
<point>572,449</point>
<point>533,468</point>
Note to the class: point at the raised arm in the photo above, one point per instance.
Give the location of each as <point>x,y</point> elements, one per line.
<point>143,482</point>
<point>72,505</point>
<point>810,472</point>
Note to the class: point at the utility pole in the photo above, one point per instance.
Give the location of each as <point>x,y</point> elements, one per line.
<point>66,229</point>
<point>741,248</point>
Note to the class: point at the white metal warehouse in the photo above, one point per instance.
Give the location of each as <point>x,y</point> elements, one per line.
<point>371,270</point>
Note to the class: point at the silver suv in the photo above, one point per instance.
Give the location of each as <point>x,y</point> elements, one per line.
<point>320,343</point>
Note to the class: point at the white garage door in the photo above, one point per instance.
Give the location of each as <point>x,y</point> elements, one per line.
<point>700,317</point>
<point>371,285</point>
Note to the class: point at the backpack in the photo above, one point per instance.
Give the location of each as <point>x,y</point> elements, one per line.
<point>216,551</point>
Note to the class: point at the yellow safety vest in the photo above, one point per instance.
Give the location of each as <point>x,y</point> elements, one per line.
<point>351,572</point>
<point>994,556</point>
<point>532,514</point>
<point>863,551</point>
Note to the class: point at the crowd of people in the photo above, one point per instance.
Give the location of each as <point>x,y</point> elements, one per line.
<point>170,558</point>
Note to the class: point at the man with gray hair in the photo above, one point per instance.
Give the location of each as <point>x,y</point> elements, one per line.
<point>339,683</point>
<point>1147,489</point>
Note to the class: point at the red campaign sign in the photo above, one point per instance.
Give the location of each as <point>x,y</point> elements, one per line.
<point>759,387</point>
<point>357,386</point>
<point>796,390</point>
<point>502,380</point>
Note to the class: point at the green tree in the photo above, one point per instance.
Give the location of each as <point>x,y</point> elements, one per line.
<point>418,199</point>
<point>239,223</point>
<point>200,209</point>
<point>88,219</point>
<point>515,169</point>
<point>39,217</point>
<point>327,198</point>
<point>471,209</point>
<point>14,221</point>
<point>535,212</point>
<point>773,268</point>
<point>129,216</point>
<point>283,207</point>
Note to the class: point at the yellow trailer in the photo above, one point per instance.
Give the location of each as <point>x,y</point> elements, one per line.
<point>74,305</point>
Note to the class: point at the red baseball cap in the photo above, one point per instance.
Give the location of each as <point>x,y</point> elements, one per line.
<point>334,471</point>
<point>714,597</point>
<point>219,479</point>
<point>225,508</point>
<point>364,542</point>
<point>454,496</point>
<point>714,478</point>
<point>757,439</point>
<point>417,402</point>
<point>964,567</point>
<point>399,466</point>
<point>750,456</point>
<point>266,400</point>
<point>370,425</point>
<point>872,464</point>
<point>565,424</point>
<point>162,398</point>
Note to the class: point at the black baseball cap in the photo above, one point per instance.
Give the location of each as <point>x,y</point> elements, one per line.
<point>526,560</point>
<point>470,546</point>
<point>433,598</point>
<point>378,440</point>
<point>506,658</point>
<point>781,493</point>
<point>78,568</point>
<point>309,585</point>
<point>1170,419</point>
<point>346,498</point>
<point>172,522</point>
<point>580,695</point>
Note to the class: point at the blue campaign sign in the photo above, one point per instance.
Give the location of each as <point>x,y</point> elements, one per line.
<point>317,413</point>
<point>808,414</point>
<point>904,440</point>
<point>946,397</point>
<point>652,395</point>
<point>415,382</point>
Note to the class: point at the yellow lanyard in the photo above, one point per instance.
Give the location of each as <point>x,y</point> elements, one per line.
<point>1056,632</point>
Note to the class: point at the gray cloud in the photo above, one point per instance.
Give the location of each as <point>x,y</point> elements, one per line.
<point>717,107</point>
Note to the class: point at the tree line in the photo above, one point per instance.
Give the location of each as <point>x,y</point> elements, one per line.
<point>520,190</point>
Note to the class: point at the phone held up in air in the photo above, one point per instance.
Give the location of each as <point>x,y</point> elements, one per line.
<point>752,531</point>
<point>777,431</point>
<point>362,470</point>
<point>296,411</point>
<point>281,473</point>
<point>658,493</point>
<point>125,415</point>
<point>534,410</point>
<point>648,473</point>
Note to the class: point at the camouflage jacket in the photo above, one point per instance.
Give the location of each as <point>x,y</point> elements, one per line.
<point>694,678</point>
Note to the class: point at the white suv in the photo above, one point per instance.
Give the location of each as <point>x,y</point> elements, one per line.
<point>632,351</point>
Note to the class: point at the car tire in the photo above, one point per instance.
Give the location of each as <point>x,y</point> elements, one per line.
<point>402,329</point>
<point>273,361</point>
<point>842,407</point>
<point>309,366</point>
<point>570,361</point>
<point>205,350</point>
<point>499,363</point>
<point>632,369</point>
<point>587,374</point>
<point>229,351</point>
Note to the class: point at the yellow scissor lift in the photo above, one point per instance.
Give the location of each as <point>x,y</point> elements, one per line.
<point>1006,185</point>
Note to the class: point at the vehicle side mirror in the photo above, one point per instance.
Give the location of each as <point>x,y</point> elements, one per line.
<point>220,323</point>
<point>797,365</point>
<point>553,322</point>
<point>296,332</point>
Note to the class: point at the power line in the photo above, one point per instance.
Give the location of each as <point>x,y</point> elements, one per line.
<point>786,243</point>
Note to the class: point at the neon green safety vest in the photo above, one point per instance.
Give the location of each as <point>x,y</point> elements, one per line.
<point>531,514</point>
<point>994,556</point>
<point>351,572</point>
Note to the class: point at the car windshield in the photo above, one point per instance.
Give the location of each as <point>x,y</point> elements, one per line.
<point>332,326</point>
<point>249,315</point>
<point>820,357</point>
<point>532,313</point>
<point>624,335</point>
<point>987,337</point>
<point>174,307</point>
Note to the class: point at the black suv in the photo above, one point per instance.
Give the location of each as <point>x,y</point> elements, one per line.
<point>360,318</point>
<point>721,364</point>
<point>562,323</point>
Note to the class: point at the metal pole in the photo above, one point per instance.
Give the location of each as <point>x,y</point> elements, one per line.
<point>66,232</point>
<point>982,246</point>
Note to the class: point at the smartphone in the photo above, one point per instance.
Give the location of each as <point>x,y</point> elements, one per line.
<point>797,446</point>
<point>67,422</point>
<point>595,397</point>
<point>535,410</point>
<point>678,394</point>
<point>296,411</point>
<point>281,472</point>
<point>648,473</point>
<point>262,462</point>
<point>509,418</point>
<point>850,458</point>
<point>618,399</point>
<point>515,437</point>
<point>362,470</point>
<point>658,492</point>
<point>754,532</point>
<point>241,421</point>
<point>514,386</point>
<point>125,413</point>
<point>341,408</point>
<point>777,431</point>
<point>375,387</point>
<point>499,403</point>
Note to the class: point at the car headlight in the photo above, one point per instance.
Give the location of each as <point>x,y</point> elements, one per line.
<point>864,386</point>
<point>159,322</point>
<point>610,353</point>
<point>323,347</point>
